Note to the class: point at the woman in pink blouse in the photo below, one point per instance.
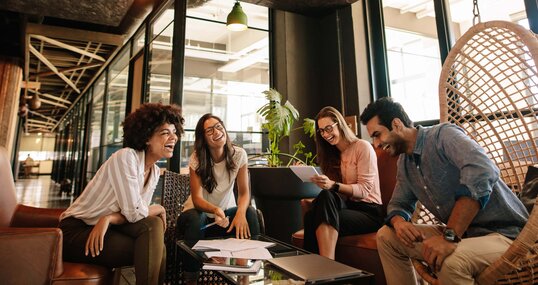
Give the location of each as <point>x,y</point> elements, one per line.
<point>350,202</point>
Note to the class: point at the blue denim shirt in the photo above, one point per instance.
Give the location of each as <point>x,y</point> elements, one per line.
<point>445,165</point>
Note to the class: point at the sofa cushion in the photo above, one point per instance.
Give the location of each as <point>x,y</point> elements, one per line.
<point>364,241</point>
<point>78,273</point>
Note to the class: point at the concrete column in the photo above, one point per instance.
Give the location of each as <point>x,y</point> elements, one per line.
<point>10,86</point>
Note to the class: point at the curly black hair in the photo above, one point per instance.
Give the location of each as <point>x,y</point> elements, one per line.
<point>139,126</point>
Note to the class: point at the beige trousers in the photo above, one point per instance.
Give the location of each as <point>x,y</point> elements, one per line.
<point>472,256</point>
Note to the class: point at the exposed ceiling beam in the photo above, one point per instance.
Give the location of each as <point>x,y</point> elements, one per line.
<point>39,126</point>
<point>74,68</point>
<point>51,102</point>
<point>413,6</point>
<point>45,124</point>
<point>68,47</point>
<point>31,84</point>
<point>74,34</point>
<point>42,116</point>
<point>52,67</point>
<point>46,95</point>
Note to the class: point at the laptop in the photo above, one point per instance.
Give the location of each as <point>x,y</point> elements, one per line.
<point>313,268</point>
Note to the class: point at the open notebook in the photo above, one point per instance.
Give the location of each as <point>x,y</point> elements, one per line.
<point>314,268</point>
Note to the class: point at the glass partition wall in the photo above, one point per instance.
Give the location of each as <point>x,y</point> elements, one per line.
<point>224,73</point>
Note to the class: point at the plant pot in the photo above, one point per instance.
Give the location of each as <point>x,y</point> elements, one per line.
<point>277,192</point>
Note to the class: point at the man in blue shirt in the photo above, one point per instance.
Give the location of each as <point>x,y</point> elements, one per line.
<point>451,175</point>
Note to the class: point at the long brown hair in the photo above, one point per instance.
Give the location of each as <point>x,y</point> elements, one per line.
<point>328,156</point>
<point>201,148</point>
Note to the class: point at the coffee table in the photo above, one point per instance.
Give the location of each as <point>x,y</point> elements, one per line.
<point>268,274</point>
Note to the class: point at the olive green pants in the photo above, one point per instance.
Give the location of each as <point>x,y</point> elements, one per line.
<point>140,243</point>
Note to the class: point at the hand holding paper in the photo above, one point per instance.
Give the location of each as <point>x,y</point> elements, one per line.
<point>305,173</point>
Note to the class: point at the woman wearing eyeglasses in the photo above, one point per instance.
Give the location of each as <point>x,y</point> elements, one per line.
<point>214,167</point>
<point>350,202</point>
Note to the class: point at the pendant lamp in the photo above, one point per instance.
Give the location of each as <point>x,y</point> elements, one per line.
<point>237,19</point>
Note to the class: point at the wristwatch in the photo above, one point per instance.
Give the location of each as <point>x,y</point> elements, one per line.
<point>335,187</point>
<point>450,235</point>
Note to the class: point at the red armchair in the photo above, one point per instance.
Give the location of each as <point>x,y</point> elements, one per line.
<point>31,243</point>
<point>360,251</point>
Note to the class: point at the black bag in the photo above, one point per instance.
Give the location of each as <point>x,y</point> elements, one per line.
<point>530,188</point>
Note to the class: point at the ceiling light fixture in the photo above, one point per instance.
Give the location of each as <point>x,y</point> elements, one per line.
<point>237,19</point>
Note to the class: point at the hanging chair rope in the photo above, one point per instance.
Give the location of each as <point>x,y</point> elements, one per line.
<point>476,13</point>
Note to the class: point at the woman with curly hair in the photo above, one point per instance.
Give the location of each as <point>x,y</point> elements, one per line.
<point>112,222</point>
<point>350,202</point>
<point>214,167</point>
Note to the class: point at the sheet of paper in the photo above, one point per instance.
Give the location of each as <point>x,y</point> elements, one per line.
<point>304,172</point>
<point>231,244</point>
<point>253,253</point>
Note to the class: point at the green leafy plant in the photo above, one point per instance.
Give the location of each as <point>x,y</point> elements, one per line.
<point>279,119</point>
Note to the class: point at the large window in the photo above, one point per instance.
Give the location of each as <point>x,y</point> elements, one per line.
<point>160,63</point>
<point>414,62</point>
<point>225,72</point>
<point>461,13</point>
<point>413,50</point>
<point>96,117</point>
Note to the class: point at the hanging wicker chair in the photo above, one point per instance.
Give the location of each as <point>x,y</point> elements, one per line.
<point>489,87</point>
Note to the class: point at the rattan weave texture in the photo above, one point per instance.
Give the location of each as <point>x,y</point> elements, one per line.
<point>489,87</point>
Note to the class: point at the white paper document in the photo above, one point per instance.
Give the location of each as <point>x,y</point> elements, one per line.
<point>304,172</point>
<point>231,244</point>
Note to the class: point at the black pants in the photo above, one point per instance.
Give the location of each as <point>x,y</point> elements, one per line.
<point>347,217</point>
<point>190,222</point>
<point>140,243</point>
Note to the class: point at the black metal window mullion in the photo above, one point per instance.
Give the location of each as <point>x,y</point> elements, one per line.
<point>531,7</point>
<point>378,62</point>
<point>177,72</point>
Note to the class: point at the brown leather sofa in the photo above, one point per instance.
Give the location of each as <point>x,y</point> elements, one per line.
<point>31,243</point>
<point>360,251</point>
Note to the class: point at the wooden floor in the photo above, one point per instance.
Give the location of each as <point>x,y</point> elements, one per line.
<point>42,192</point>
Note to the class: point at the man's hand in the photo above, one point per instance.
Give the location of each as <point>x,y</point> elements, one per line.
<point>435,250</point>
<point>406,232</point>
<point>241,226</point>
<point>96,239</point>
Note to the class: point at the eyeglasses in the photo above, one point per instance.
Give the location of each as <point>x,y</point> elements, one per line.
<point>327,129</point>
<point>211,130</point>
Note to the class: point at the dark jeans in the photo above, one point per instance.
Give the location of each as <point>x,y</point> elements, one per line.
<point>347,217</point>
<point>140,243</point>
<point>191,221</point>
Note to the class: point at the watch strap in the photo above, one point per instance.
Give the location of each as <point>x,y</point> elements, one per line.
<point>335,187</point>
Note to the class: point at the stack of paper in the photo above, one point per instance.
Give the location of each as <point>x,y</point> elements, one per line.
<point>229,250</point>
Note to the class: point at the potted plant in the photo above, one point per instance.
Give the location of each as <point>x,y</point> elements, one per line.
<point>276,190</point>
<point>278,121</point>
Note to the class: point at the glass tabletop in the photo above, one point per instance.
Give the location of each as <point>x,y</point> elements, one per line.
<point>267,274</point>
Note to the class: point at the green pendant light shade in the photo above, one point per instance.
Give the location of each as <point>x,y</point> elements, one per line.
<point>237,19</point>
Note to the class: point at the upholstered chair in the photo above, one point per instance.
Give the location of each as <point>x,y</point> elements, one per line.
<point>31,242</point>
